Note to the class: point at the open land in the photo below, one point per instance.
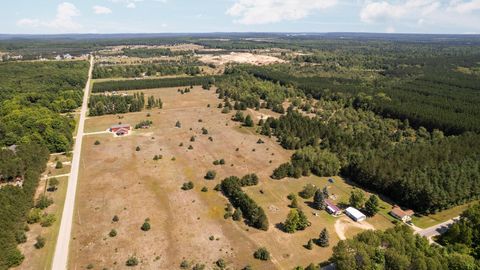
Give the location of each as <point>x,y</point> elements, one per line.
<point>115,179</point>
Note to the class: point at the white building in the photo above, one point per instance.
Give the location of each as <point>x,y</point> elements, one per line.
<point>354,214</point>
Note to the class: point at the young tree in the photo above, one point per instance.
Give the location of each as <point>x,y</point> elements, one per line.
<point>248,121</point>
<point>59,165</point>
<point>178,124</point>
<point>291,223</point>
<point>319,200</point>
<point>325,192</point>
<point>146,225</point>
<point>323,240</point>
<point>112,233</point>
<point>357,198</point>
<point>309,244</point>
<point>371,206</point>
<point>294,203</point>
<point>132,261</point>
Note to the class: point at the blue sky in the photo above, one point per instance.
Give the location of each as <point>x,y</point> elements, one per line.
<point>158,16</point>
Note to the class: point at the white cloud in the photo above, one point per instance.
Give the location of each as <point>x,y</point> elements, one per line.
<point>417,14</point>
<point>127,3</point>
<point>465,7</point>
<point>101,10</point>
<point>63,21</point>
<point>271,11</point>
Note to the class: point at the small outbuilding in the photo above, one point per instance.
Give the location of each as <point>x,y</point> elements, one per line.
<point>332,208</point>
<point>355,214</point>
<point>403,215</point>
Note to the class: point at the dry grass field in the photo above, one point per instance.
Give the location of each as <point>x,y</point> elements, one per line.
<point>115,179</point>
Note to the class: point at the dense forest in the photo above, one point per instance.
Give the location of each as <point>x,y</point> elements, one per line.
<point>152,83</point>
<point>426,171</point>
<point>32,96</point>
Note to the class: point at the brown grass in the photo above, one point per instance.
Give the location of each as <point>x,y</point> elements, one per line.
<point>117,180</point>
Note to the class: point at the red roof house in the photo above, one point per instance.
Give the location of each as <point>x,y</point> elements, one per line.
<point>332,208</point>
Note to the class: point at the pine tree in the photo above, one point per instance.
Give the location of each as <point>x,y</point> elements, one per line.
<point>290,225</point>
<point>294,203</point>
<point>325,193</point>
<point>248,121</point>
<point>323,240</point>
<point>319,200</point>
<point>309,244</point>
<point>371,206</point>
<point>303,222</point>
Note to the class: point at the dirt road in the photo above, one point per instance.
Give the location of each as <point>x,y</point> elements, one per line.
<point>60,258</point>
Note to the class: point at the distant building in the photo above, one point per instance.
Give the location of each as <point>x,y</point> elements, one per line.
<point>58,58</point>
<point>403,215</point>
<point>67,56</point>
<point>332,208</point>
<point>120,130</point>
<point>355,214</point>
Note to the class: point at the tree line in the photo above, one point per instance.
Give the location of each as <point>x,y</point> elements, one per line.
<point>110,86</point>
<point>132,71</point>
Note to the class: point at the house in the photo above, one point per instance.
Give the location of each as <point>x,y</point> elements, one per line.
<point>332,208</point>
<point>355,214</point>
<point>120,130</point>
<point>403,215</point>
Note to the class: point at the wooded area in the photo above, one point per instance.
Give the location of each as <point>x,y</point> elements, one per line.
<point>32,95</point>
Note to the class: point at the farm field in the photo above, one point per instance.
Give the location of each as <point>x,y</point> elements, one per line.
<point>116,179</point>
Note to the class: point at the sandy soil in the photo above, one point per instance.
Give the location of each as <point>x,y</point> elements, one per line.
<point>343,224</point>
<point>244,58</point>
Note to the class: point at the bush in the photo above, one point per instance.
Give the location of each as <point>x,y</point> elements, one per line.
<point>210,175</point>
<point>40,242</point>
<point>21,237</point>
<point>59,165</point>
<point>47,220</point>
<point>308,191</point>
<point>115,218</point>
<point>249,180</point>
<point>184,264</point>
<point>204,189</point>
<point>34,216</point>
<point>262,254</point>
<point>188,185</point>
<point>43,202</point>
<point>53,184</point>
<point>137,148</point>
<point>204,131</point>
<point>132,261</point>
<point>145,226</point>
<point>112,233</point>
<point>97,142</point>
<point>221,263</point>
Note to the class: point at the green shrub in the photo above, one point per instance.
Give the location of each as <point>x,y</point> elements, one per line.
<point>262,254</point>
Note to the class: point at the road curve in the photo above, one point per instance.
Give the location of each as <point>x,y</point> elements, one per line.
<point>60,259</point>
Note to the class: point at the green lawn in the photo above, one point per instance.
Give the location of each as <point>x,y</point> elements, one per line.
<point>430,220</point>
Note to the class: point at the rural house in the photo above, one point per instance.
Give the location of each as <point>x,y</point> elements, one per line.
<point>120,130</point>
<point>355,214</point>
<point>332,208</point>
<point>402,215</point>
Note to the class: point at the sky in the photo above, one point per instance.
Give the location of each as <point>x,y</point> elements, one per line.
<point>193,16</point>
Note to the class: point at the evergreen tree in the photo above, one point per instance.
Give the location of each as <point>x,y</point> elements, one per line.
<point>323,240</point>
<point>319,200</point>
<point>371,206</point>
<point>248,121</point>
<point>309,244</point>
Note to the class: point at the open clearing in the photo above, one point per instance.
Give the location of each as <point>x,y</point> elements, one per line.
<point>115,179</point>
<point>243,58</point>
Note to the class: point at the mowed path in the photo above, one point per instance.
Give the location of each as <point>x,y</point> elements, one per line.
<point>60,258</point>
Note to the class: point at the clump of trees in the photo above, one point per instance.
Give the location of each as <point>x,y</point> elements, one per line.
<point>262,254</point>
<point>144,123</point>
<point>188,185</point>
<point>154,103</point>
<point>252,213</point>
<point>103,104</point>
<point>296,221</point>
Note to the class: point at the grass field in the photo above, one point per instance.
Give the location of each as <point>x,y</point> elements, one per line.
<point>115,179</point>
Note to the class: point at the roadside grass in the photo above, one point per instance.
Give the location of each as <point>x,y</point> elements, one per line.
<point>434,219</point>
